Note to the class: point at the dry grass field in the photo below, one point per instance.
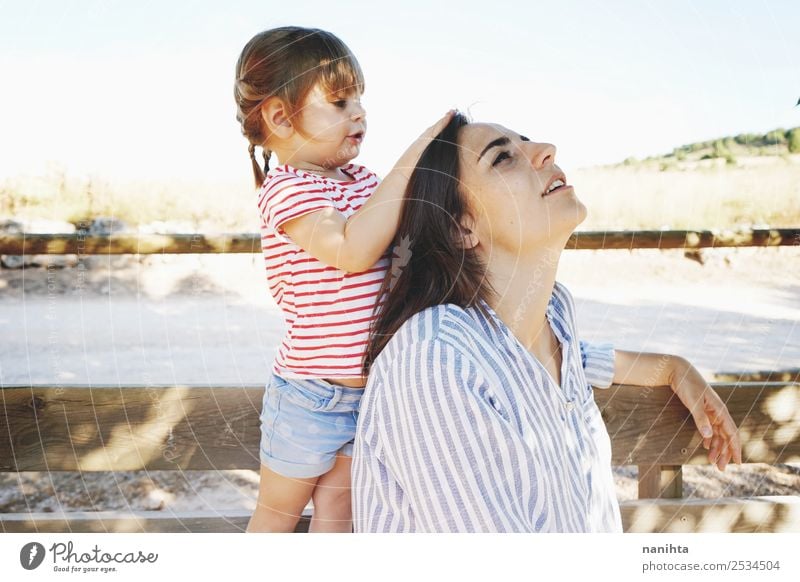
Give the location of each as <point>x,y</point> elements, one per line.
<point>697,195</point>
<point>761,190</point>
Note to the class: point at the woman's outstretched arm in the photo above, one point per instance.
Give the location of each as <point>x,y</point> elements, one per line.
<point>719,432</point>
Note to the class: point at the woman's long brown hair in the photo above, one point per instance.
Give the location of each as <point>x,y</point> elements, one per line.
<point>430,266</point>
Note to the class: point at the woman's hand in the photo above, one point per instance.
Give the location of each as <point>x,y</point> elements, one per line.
<point>720,435</point>
<point>709,412</point>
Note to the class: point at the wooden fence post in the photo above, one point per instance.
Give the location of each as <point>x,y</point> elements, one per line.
<point>660,481</point>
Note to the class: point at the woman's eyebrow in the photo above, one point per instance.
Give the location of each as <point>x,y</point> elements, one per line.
<point>500,141</point>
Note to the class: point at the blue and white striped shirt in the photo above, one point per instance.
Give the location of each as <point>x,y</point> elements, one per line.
<point>462,429</point>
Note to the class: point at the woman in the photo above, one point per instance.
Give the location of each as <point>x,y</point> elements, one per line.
<point>478,413</point>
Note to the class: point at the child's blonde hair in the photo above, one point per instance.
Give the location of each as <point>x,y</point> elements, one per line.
<point>287,63</point>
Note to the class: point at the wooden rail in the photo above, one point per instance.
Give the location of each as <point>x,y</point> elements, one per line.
<point>111,428</point>
<point>788,375</point>
<point>119,244</point>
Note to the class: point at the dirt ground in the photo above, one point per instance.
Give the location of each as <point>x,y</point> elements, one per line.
<point>644,300</point>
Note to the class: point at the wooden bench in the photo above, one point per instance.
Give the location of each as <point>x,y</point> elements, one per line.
<point>108,428</point>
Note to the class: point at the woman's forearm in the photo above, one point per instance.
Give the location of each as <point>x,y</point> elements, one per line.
<point>648,369</point>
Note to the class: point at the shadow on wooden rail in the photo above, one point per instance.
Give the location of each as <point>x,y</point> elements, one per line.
<point>111,428</point>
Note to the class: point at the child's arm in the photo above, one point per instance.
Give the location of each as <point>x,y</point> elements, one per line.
<point>709,412</point>
<point>356,243</point>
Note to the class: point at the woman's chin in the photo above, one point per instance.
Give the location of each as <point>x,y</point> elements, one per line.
<point>581,213</point>
<point>570,209</point>
<point>572,217</point>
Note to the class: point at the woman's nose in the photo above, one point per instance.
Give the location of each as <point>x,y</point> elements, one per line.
<point>541,154</point>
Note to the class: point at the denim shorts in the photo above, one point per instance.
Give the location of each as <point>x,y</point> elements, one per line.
<point>305,423</point>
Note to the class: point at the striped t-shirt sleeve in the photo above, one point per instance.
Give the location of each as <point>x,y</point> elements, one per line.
<point>462,465</point>
<point>598,363</point>
<point>286,196</point>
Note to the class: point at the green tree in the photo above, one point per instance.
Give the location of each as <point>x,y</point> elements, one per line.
<point>793,140</point>
<point>750,139</point>
<point>776,137</point>
<point>718,150</point>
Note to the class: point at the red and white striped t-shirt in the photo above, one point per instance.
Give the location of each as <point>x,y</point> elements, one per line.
<point>328,311</point>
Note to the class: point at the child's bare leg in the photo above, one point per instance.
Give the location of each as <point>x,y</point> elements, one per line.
<point>332,511</point>
<point>281,501</point>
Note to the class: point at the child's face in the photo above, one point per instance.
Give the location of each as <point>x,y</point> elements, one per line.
<point>331,126</point>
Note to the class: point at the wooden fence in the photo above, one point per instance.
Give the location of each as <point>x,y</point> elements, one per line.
<point>149,428</point>
<point>84,244</point>
<point>145,428</point>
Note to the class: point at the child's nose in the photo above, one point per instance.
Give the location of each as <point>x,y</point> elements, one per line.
<point>358,112</point>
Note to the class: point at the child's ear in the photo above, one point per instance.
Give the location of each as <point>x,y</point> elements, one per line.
<point>276,118</point>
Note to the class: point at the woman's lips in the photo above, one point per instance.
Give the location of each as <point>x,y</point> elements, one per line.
<point>559,189</point>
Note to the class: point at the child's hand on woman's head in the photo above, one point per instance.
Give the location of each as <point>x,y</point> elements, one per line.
<point>437,127</point>
<point>414,151</point>
<point>720,435</point>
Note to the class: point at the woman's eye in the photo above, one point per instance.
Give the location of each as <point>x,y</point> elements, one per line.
<point>500,157</point>
<point>340,103</point>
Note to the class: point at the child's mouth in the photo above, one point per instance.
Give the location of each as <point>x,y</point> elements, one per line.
<point>356,137</point>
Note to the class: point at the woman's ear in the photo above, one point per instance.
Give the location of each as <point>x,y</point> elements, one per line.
<point>467,238</point>
<point>276,118</point>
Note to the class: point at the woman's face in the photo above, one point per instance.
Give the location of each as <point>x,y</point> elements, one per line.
<point>509,183</point>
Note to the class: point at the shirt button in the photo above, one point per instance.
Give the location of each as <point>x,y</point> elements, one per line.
<point>570,405</point>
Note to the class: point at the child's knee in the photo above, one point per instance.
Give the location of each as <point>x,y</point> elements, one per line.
<point>332,500</point>
<point>332,494</point>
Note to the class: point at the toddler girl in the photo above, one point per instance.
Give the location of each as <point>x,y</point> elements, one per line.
<point>326,225</point>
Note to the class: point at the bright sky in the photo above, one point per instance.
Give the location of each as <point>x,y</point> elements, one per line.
<point>144,89</point>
